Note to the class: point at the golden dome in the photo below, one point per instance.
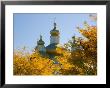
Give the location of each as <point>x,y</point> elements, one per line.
<point>51,48</point>
<point>54,32</point>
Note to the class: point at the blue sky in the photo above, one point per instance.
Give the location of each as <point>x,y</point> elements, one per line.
<point>28,27</point>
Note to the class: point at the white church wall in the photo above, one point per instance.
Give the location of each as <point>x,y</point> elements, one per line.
<point>54,39</point>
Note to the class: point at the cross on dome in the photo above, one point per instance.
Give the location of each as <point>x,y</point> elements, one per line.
<point>55,23</point>
<point>40,37</point>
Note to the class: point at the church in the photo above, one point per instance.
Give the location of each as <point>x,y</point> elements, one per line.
<point>50,50</point>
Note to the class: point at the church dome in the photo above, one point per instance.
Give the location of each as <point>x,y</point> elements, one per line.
<point>40,42</point>
<point>51,48</point>
<point>54,32</point>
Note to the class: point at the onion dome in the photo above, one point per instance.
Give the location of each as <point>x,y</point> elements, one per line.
<point>54,32</point>
<point>40,42</point>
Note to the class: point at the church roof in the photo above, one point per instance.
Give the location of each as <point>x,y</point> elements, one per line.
<point>52,46</point>
<point>54,30</point>
<point>40,42</point>
<point>51,50</point>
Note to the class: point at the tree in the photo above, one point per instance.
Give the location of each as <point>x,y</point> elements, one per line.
<point>84,57</point>
<point>32,64</point>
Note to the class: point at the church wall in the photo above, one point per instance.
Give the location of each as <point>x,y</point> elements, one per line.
<point>54,39</point>
<point>41,48</point>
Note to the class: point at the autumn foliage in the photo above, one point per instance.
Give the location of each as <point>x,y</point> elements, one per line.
<point>81,61</point>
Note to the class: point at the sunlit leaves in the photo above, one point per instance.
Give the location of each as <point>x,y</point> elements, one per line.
<point>88,55</point>
<point>80,61</point>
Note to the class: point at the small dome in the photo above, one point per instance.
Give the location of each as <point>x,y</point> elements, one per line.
<point>54,32</point>
<point>40,42</point>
